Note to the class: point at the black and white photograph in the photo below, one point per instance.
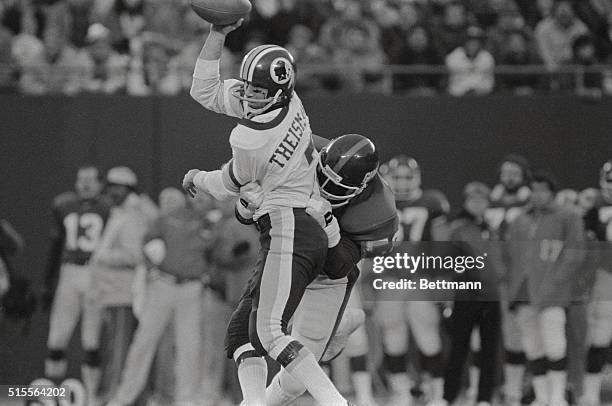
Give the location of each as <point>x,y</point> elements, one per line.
<point>305,202</point>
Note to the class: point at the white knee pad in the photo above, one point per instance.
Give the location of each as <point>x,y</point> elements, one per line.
<point>394,330</point>
<point>552,328</point>
<point>424,318</point>
<point>511,331</point>
<point>600,323</point>
<point>290,385</point>
<point>530,333</point>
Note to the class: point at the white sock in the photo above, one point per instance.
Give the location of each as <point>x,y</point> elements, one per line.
<point>400,384</point>
<point>252,374</point>
<point>592,389</point>
<point>557,381</point>
<point>307,370</point>
<point>56,369</point>
<point>91,380</point>
<point>437,389</point>
<point>474,378</point>
<point>362,384</point>
<point>540,387</point>
<point>275,395</point>
<point>514,381</point>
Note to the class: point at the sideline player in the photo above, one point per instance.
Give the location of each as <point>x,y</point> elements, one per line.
<point>598,223</point>
<point>508,200</point>
<point>78,222</point>
<point>271,145</point>
<point>422,214</point>
<point>365,208</point>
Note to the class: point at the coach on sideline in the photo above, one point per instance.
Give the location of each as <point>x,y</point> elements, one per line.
<point>175,250</point>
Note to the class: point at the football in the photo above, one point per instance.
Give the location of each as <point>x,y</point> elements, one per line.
<point>221,12</point>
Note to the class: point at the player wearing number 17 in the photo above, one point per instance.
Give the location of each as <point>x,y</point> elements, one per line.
<point>271,146</point>
<point>78,222</point>
<point>545,250</point>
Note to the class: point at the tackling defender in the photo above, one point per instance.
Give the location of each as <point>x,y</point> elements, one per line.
<point>79,220</point>
<point>271,146</point>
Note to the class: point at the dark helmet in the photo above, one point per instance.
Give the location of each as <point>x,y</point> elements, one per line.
<point>346,165</point>
<point>270,67</point>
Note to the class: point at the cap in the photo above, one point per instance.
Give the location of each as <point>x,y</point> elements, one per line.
<point>122,175</point>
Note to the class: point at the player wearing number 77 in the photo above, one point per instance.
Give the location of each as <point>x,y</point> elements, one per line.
<point>272,146</point>
<point>545,249</point>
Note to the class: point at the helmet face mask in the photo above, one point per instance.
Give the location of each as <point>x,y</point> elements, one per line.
<point>334,190</point>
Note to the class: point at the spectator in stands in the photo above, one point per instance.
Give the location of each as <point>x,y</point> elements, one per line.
<point>517,50</point>
<point>58,68</point>
<point>166,17</point>
<point>418,50</point>
<point>471,67</point>
<point>107,69</point>
<point>359,60</point>
<point>388,20</point>
<point>126,21</point>
<point>555,34</point>
<point>307,54</point>
<point>291,13</point>
<point>585,54</point>
<point>451,32</point>
<point>7,64</point>
<point>509,21</point>
<point>79,14</point>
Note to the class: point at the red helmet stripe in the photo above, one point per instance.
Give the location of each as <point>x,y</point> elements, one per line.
<point>349,154</point>
<point>248,59</point>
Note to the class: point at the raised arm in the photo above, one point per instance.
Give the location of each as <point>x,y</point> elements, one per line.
<point>207,87</point>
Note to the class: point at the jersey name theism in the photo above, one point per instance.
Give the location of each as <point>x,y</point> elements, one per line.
<point>290,142</point>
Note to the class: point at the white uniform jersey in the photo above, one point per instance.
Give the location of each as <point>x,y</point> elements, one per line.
<point>274,149</point>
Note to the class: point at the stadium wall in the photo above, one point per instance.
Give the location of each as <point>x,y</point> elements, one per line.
<point>44,139</point>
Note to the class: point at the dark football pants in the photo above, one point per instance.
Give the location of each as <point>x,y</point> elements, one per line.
<point>467,315</point>
<point>292,254</point>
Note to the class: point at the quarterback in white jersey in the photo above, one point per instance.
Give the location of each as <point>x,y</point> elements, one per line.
<point>271,147</point>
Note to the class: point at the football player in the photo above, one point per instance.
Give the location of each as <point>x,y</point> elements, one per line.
<point>598,223</point>
<point>271,146</point>
<point>508,199</point>
<point>365,208</point>
<point>78,221</point>
<point>422,216</point>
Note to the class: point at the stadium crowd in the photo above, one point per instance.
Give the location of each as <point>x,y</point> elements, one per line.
<point>142,47</point>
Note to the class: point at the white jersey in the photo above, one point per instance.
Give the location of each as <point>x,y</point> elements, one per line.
<point>274,149</point>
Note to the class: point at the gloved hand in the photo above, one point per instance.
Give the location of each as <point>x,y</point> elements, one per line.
<point>320,209</point>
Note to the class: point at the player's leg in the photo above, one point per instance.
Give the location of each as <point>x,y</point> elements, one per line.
<point>514,368</point>
<point>462,323</point>
<point>298,247</point>
<point>424,320</point>
<point>152,323</point>
<point>314,322</point>
<point>65,313</point>
<point>394,330</point>
<point>91,327</point>
<point>474,368</point>
<point>529,324</point>
<point>490,333</point>
<point>357,349</point>
<point>552,330</point>
<point>599,336</point>
<point>188,341</point>
<point>251,366</point>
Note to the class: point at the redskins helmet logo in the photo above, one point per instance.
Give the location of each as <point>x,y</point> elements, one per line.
<point>281,71</point>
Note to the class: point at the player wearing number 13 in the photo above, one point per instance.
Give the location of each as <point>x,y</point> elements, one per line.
<point>78,222</point>
<point>545,250</point>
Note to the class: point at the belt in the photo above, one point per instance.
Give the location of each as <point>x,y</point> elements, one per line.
<point>177,280</point>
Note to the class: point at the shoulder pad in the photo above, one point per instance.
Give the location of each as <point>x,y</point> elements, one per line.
<point>372,218</point>
<point>65,199</point>
<point>247,138</point>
